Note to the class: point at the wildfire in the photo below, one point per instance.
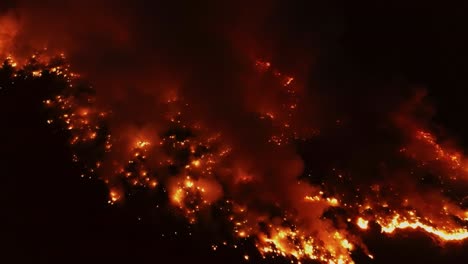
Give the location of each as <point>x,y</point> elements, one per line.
<point>436,156</point>
<point>442,233</point>
<point>440,153</point>
<point>287,242</point>
<point>198,170</point>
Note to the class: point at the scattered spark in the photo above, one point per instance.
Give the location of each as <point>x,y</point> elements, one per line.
<point>203,159</point>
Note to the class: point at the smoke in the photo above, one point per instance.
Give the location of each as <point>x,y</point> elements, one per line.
<point>8,32</point>
<point>238,72</point>
<point>137,57</point>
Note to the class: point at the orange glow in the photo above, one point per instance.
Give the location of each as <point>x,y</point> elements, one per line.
<point>114,196</point>
<point>153,183</point>
<point>178,196</point>
<point>286,242</point>
<point>442,233</point>
<point>209,171</point>
<point>8,31</point>
<point>196,163</point>
<point>188,183</point>
<point>142,144</point>
<point>437,154</point>
<point>363,224</point>
<point>262,65</point>
<point>288,81</point>
<point>331,201</point>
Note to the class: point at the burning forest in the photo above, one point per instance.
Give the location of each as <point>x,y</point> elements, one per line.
<point>240,138</point>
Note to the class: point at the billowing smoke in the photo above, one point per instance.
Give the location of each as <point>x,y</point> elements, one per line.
<point>224,106</point>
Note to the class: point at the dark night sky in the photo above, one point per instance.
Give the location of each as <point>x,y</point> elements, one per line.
<point>367,56</point>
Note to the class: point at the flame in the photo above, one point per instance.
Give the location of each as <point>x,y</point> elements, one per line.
<point>432,154</point>
<point>262,65</point>
<point>363,224</point>
<point>206,169</point>
<point>142,144</point>
<point>114,196</point>
<point>196,163</point>
<point>443,233</point>
<point>287,242</point>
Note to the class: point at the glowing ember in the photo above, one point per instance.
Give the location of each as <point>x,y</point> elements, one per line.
<point>114,196</point>
<point>199,169</point>
<point>363,224</point>
<point>443,233</point>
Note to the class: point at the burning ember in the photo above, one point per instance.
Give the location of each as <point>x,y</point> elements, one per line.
<point>201,169</point>
<point>226,132</point>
